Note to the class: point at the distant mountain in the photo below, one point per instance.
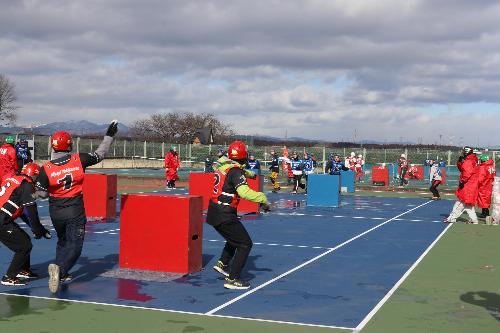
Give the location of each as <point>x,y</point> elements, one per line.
<point>75,127</point>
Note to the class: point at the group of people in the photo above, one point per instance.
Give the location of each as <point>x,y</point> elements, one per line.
<point>61,180</point>
<point>475,186</point>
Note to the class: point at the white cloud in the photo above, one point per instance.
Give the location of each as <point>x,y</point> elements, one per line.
<point>319,67</point>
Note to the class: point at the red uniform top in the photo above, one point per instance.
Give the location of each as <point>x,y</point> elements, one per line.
<point>9,184</point>
<point>65,181</point>
<point>172,161</point>
<point>486,177</point>
<point>221,197</point>
<point>8,161</point>
<point>352,163</point>
<point>469,177</point>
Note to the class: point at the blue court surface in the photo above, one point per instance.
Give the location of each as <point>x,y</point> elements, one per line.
<point>315,266</point>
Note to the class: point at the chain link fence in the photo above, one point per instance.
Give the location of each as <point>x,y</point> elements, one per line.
<point>194,155</point>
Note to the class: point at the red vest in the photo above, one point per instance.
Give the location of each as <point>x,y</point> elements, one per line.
<point>7,187</point>
<point>220,197</point>
<point>65,181</point>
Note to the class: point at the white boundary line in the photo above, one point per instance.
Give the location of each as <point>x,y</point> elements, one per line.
<point>172,311</point>
<point>251,291</point>
<point>365,321</point>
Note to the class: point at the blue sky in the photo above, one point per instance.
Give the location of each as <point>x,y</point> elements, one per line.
<point>322,69</point>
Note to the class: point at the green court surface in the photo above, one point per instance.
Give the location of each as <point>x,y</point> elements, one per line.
<point>456,288</point>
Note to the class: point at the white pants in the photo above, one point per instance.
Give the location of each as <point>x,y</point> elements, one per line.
<point>458,210</point>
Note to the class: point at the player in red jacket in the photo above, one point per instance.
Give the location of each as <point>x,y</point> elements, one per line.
<point>172,164</point>
<point>486,177</point>
<point>467,190</point>
<point>8,158</point>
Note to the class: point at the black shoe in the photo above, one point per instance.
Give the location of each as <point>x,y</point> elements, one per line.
<point>221,268</point>
<point>27,274</point>
<point>236,284</point>
<point>66,278</point>
<point>8,281</point>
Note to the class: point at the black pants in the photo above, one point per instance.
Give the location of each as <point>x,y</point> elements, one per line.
<point>297,182</point>
<point>433,188</point>
<point>402,175</point>
<point>70,236</point>
<point>18,241</point>
<point>237,248</point>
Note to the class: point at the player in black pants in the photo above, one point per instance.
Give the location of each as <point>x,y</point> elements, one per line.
<point>62,179</point>
<point>229,185</point>
<point>16,194</point>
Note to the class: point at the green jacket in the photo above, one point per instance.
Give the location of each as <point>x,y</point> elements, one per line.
<point>244,191</point>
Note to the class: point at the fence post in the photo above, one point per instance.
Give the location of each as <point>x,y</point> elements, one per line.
<point>49,148</point>
<point>189,154</point>
<point>78,144</point>
<point>364,154</point>
<point>124,148</point>
<point>324,158</point>
<point>449,157</point>
<point>114,148</point>
<point>163,149</point>
<point>91,148</point>
<point>145,155</point>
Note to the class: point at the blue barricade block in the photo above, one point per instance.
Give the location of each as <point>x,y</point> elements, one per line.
<point>323,190</point>
<point>347,181</point>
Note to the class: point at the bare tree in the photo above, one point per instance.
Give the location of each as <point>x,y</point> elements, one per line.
<point>179,127</point>
<point>7,101</point>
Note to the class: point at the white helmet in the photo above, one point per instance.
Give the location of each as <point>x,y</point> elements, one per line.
<point>412,165</point>
<point>353,154</point>
<point>403,155</point>
<point>360,156</point>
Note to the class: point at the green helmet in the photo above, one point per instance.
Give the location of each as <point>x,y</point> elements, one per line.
<point>484,157</point>
<point>10,139</point>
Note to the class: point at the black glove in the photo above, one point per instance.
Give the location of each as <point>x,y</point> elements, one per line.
<point>265,207</point>
<point>460,158</point>
<point>42,233</point>
<point>461,184</point>
<point>112,128</point>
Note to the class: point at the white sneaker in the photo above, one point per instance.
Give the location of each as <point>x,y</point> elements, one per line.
<point>54,278</point>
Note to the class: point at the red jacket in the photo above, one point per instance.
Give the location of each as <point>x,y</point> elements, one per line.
<point>172,163</point>
<point>469,176</point>
<point>486,177</point>
<point>8,161</point>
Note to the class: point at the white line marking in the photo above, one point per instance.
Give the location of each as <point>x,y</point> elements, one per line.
<point>363,323</point>
<point>174,311</point>
<point>274,244</point>
<point>251,291</point>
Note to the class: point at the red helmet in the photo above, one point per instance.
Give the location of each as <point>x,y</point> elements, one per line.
<point>61,141</point>
<point>31,169</point>
<point>237,150</point>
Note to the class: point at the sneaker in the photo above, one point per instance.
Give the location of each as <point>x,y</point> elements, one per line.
<point>27,274</point>
<point>54,278</point>
<point>236,284</point>
<point>7,281</point>
<point>294,192</point>
<point>66,278</point>
<point>436,198</point>
<point>448,221</point>
<point>221,268</point>
<point>471,222</point>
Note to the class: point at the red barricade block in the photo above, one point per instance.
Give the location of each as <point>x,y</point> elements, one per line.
<point>380,175</point>
<point>202,184</point>
<point>246,206</point>
<point>161,233</point>
<point>99,195</point>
